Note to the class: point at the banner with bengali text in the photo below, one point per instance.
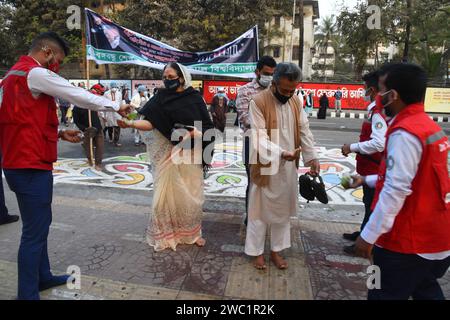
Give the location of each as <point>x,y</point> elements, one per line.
<point>110,43</point>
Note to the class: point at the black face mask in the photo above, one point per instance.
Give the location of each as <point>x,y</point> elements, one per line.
<point>172,85</point>
<point>387,109</point>
<point>283,99</point>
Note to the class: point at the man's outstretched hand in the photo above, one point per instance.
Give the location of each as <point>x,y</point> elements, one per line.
<point>72,136</point>
<point>291,155</point>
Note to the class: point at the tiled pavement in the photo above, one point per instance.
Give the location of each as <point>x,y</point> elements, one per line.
<point>106,240</point>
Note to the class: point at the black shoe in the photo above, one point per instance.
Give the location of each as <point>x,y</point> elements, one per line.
<point>351,236</point>
<point>305,187</point>
<point>350,250</point>
<point>9,219</point>
<point>55,281</point>
<point>319,189</point>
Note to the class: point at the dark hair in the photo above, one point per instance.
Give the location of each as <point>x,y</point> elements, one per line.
<point>43,39</point>
<point>409,80</point>
<point>176,67</point>
<point>371,79</point>
<point>266,61</point>
<point>287,70</point>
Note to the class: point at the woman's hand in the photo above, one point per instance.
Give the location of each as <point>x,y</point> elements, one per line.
<point>124,123</point>
<point>72,136</point>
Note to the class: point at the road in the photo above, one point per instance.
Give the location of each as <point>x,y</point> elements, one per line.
<point>100,219</point>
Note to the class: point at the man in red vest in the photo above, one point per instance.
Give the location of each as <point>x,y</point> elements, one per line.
<point>409,229</point>
<point>368,150</point>
<point>28,142</point>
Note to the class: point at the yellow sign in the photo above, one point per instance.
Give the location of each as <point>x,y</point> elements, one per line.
<point>437,100</point>
<point>197,84</point>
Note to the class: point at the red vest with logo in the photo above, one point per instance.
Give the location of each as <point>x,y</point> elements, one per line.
<point>28,126</point>
<point>369,164</point>
<point>423,224</point>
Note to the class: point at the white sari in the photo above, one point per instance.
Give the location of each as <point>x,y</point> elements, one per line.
<point>178,198</point>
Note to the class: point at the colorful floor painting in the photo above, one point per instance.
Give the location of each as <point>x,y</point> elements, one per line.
<point>226,179</point>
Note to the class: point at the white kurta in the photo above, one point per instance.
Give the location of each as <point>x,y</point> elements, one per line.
<point>278,201</point>
<point>110,118</point>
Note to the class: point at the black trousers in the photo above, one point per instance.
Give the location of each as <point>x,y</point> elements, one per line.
<point>63,114</point>
<point>369,194</point>
<point>408,275</point>
<point>113,133</point>
<point>247,169</point>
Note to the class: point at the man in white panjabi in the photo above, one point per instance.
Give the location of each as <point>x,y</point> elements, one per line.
<point>110,120</point>
<point>280,132</point>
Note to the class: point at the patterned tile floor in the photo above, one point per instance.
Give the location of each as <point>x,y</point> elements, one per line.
<point>116,263</point>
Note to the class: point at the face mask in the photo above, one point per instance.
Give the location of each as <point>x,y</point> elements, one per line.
<point>172,85</point>
<point>367,96</point>
<point>265,81</point>
<point>383,102</point>
<point>283,99</point>
<point>53,66</point>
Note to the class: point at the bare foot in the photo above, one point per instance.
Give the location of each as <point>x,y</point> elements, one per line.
<point>278,261</point>
<point>200,242</point>
<point>259,263</point>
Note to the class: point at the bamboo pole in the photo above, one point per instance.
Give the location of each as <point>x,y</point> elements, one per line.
<point>91,142</point>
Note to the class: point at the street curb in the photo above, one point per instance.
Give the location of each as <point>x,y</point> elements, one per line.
<point>360,115</point>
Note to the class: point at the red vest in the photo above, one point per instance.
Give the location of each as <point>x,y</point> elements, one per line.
<point>423,224</point>
<point>368,164</point>
<point>28,126</point>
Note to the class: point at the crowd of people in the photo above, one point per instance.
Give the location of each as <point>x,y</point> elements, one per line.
<point>401,163</point>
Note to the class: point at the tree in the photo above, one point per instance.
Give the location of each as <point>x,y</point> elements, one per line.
<point>359,40</point>
<point>302,34</point>
<point>422,28</point>
<point>196,25</point>
<point>6,13</point>
<point>326,35</point>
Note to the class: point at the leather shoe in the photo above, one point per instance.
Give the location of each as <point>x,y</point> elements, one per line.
<point>351,236</point>
<point>9,219</point>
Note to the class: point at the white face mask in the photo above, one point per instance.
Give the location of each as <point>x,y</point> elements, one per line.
<point>367,96</point>
<point>265,81</point>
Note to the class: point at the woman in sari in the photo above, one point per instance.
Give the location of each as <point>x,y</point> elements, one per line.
<point>178,194</point>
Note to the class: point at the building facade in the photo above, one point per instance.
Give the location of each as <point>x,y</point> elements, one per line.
<point>283,37</point>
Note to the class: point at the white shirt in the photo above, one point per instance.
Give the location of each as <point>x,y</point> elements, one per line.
<point>110,118</point>
<point>41,80</point>
<point>138,102</point>
<point>405,152</point>
<point>377,140</point>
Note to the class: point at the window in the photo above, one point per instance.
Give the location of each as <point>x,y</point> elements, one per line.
<point>276,52</point>
<point>277,21</point>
